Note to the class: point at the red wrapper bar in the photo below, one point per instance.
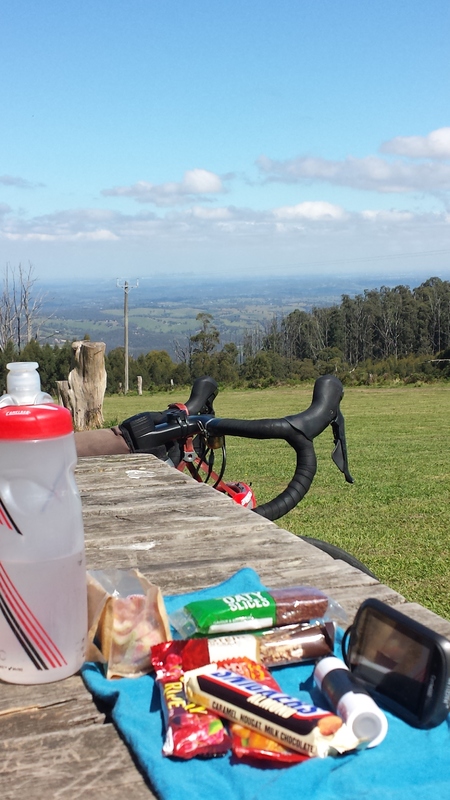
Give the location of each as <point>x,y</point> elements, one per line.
<point>191,729</point>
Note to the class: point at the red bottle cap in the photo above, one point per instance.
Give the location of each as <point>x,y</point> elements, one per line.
<point>34,422</point>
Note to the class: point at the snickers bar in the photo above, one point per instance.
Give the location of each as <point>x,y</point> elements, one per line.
<point>304,728</point>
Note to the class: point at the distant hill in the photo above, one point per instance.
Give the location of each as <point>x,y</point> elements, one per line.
<point>162,312</point>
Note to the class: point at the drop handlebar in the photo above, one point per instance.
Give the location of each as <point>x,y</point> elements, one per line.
<point>179,423</point>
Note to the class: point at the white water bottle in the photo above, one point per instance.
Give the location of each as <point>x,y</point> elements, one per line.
<point>43,599</point>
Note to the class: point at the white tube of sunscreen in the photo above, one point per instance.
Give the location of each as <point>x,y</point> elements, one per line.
<point>350,700</point>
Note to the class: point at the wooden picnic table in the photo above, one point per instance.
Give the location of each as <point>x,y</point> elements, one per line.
<point>138,512</point>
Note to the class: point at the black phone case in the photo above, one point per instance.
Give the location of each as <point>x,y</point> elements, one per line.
<point>422,703</point>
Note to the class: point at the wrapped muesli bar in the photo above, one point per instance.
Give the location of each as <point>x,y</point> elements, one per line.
<point>254,610</point>
<point>288,644</point>
<point>293,644</point>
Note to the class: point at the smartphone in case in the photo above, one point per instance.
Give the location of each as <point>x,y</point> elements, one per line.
<point>404,665</point>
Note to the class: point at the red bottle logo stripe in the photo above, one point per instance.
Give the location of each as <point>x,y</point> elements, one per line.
<point>36,642</point>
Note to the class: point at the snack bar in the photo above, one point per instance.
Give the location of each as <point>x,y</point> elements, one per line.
<point>288,644</point>
<point>251,611</point>
<point>304,728</point>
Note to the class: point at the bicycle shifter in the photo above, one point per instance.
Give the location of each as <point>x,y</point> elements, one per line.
<point>339,454</point>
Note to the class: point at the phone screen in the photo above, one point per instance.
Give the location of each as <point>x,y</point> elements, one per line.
<point>391,658</point>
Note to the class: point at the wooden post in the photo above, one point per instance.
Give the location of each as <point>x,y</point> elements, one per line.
<point>84,391</point>
<point>139,384</point>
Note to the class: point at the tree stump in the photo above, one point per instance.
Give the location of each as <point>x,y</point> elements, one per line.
<point>84,391</point>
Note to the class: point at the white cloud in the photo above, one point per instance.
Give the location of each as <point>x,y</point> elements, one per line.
<point>196,184</point>
<point>211,213</point>
<point>310,220</point>
<point>388,216</point>
<point>68,226</point>
<point>18,183</point>
<point>435,145</point>
<point>312,210</point>
<point>399,171</point>
<point>371,173</point>
<point>226,240</point>
<point>201,181</point>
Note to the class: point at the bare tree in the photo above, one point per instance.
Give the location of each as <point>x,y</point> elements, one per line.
<point>7,311</point>
<point>20,306</point>
<point>183,350</point>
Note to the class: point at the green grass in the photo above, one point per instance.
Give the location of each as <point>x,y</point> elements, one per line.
<point>395,517</point>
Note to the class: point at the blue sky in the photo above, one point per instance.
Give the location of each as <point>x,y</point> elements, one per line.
<point>196,136</point>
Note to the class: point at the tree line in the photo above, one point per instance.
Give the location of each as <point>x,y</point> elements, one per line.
<point>381,335</point>
<point>386,334</point>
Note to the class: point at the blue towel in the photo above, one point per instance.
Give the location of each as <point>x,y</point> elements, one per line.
<point>409,763</point>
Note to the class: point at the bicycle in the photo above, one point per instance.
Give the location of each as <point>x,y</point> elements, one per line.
<point>188,435</point>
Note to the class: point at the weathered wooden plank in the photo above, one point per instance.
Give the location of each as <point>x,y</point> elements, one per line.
<point>183,534</point>
<point>41,696</point>
<point>427,617</point>
<point>70,765</point>
<point>77,711</point>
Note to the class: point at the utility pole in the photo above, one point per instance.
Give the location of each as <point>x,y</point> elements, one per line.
<point>126,286</point>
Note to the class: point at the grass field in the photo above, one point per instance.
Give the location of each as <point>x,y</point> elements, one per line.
<point>395,517</point>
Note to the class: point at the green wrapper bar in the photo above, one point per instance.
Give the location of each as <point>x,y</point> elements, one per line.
<point>253,610</point>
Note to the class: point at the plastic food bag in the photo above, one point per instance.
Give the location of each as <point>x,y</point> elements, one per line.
<point>127,617</point>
